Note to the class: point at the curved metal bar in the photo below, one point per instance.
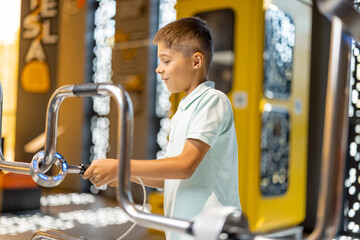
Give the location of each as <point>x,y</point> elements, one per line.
<point>125,135</point>
<point>51,129</point>
<point>344,10</point>
<point>125,131</point>
<point>51,124</point>
<point>78,90</point>
<point>15,167</point>
<point>334,136</point>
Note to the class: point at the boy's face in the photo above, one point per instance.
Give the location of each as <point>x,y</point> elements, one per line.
<point>176,71</point>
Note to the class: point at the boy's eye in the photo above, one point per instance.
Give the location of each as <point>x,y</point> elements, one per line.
<point>166,61</point>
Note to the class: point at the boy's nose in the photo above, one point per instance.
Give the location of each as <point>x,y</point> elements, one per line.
<point>158,70</point>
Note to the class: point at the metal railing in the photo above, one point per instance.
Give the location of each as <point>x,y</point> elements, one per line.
<point>344,19</point>
<point>345,22</point>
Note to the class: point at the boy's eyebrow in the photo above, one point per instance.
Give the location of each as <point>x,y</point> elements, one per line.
<point>164,55</point>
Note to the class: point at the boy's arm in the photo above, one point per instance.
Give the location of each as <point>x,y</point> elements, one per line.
<point>179,167</point>
<point>148,182</point>
<point>104,171</point>
<point>154,183</point>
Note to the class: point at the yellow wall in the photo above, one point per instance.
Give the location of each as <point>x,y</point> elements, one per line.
<point>71,70</point>
<point>265,213</point>
<point>9,51</point>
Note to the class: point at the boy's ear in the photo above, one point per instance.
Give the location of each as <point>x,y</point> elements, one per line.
<point>198,60</point>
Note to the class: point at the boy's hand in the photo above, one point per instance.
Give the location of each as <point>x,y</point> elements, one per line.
<point>102,171</point>
<point>114,183</point>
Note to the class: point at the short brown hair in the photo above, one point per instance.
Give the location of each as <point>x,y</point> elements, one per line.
<point>188,35</point>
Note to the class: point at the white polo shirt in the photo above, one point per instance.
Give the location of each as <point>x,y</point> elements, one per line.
<point>205,114</point>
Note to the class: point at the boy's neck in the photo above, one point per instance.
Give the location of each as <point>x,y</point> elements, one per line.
<point>200,81</point>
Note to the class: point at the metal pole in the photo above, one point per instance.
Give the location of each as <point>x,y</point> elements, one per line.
<point>51,124</point>
<point>125,135</point>
<point>335,136</point>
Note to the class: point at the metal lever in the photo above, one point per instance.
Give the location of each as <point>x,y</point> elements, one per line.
<point>41,178</point>
<point>344,19</point>
<point>77,90</point>
<point>125,136</point>
<point>46,180</point>
<point>43,161</point>
<point>345,11</point>
<point>83,168</point>
<point>38,167</point>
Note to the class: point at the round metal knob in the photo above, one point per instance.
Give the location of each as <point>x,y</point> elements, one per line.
<point>42,178</point>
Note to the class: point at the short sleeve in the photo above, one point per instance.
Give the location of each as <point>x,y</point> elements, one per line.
<point>210,118</point>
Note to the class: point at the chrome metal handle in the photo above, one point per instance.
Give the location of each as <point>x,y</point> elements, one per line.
<point>81,90</point>
<point>124,151</point>
<point>125,136</point>
<point>78,90</point>
<point>345,11</point>
<point>344,18</point>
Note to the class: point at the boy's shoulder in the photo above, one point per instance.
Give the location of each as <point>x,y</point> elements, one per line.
<point>216,95</point>
<point>214,100</point>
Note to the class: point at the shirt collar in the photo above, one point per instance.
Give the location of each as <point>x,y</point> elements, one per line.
<point>197,92</point>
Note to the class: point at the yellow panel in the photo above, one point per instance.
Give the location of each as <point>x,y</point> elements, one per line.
<point>9,55</point>
<point>265,213</point>
<point>35,77</point>
<point>156,200</point>
<point>9,59</point>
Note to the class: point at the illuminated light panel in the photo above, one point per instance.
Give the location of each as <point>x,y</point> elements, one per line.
<point>167,14</point>
<point>67,199</point>
<point>278,54</point>
<point>278,74</point>
<point>9,21</point>
<point>104,36</point>
<point>102,217</point>
<point>351,208</point>
<point>345,238</point>
<point>9,58</point>
<point>274,162</point>
<point>357,4</point>
<point>100,136</point>
<point>162,135</point>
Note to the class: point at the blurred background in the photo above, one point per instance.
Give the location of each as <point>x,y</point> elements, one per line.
<point>271,58</point>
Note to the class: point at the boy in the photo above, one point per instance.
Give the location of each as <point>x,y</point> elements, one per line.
<point>200,168</point>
